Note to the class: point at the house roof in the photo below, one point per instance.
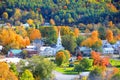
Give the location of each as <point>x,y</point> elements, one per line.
<point>16,51</point>
<point>108,49</point>
<point>38,41</point>
<point>31,47</point>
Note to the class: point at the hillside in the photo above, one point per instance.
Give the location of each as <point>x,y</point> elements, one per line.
<point>63,12</point>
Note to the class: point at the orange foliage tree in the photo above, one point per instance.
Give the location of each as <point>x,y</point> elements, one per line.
<point>76,32</point>
<point>35,34</point>
<point>52,22</point>
<point>111,7</point>
<point>110,24</point>
<point>109,36</point>
<point>93,41</point>
<point>6,73</point>
<point>118,37</point>
<point>99,61</point>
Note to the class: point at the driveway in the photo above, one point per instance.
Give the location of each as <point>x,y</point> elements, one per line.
<point>60,76</point>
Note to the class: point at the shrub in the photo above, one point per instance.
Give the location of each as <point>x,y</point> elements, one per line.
<point>96,74</point>
<point>40,67</point>
<point>27,75</point>
<point>14,68</point>
<point>83,65</point>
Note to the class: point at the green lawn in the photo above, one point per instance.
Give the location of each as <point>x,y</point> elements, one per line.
<point>68,70</point>
<point>115,63</point>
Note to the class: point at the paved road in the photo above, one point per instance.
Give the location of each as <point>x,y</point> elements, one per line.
<point>60,76</point>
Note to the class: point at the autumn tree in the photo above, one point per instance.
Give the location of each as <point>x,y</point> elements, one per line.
<point>52,22</point>
<point>27,75</point>
<point>90,27</point>
<point>76,32</point>
<point>110,37</point>
<point>67,55</point>
<point>111,7</point>
<point>5,15</point>
<point>30,21</point>
<point>17,14</point>
<point>65,30</point>
<point>93,41</point>
<point>21,31</point>
<point>6,73</point>
<point>10,39</point>
<point>60,58</point>
<point>35,34</point>
<point>99,61</point>
<point>110,24</point>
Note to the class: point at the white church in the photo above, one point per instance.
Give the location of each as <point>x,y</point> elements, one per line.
<point>51,51</point>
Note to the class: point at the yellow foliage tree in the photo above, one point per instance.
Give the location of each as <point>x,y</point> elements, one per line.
<point>17,14</point>
<point>6,73</point>
<point>5,15</point>
<point>30,21</point>
<point>8,37</point>
<point>21,31</point>
<point>65,30</point>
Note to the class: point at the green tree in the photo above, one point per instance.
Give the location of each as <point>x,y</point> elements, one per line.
<point>80,39</point>
<point>83,65</point>
<point>69,42</point>
<point>41,68</point>
<point>60,58</point>
<point>27,75</point>
<point>50,34</point>
<point>14,68</point>
<point>102,33</point>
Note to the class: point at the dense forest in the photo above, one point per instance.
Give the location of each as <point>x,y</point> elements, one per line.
<point>62,12</point>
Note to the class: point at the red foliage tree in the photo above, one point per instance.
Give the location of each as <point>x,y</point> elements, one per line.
<point>99,61</point>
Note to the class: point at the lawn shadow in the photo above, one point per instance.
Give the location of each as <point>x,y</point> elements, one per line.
<point>70,72</point>
<point>118,66</point>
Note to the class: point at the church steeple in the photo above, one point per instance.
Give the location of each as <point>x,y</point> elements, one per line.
<point>59,43</point>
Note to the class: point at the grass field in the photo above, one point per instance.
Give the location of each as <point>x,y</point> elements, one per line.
<point>70,70</point>
<point>115,63</point>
